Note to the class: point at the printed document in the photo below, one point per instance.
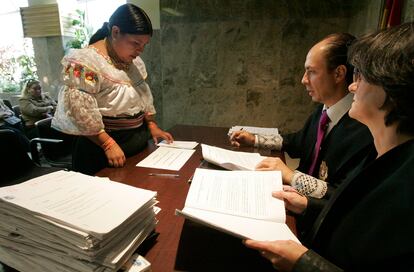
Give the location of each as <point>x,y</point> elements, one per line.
<point>167,158</point>
<point>179,144</point>
<point>239,203</point>
<point>231,160</point>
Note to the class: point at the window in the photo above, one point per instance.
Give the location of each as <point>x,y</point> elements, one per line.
<point>16,53</point>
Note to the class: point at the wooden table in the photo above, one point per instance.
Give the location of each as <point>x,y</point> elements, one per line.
<point>172,192</point>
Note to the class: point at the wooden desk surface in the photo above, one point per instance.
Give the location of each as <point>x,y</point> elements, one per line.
<point>172,192</point>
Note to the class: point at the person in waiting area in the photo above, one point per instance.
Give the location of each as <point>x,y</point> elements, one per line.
<point>367,224</point>
<point>326,78</point>
<point>8,120</point>
<point>106,99</point>
<point>34,106</point>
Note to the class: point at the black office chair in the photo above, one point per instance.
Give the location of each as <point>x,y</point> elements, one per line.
<point>56,149</point>
<point>16,109</point>
<point>15,163</point>
<point>8,104</point>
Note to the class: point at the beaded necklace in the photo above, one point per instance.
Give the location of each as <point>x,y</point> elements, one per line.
<point>116,61</point>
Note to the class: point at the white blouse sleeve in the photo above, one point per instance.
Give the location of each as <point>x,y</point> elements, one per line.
<point>77,112</point>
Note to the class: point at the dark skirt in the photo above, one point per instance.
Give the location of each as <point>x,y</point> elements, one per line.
<point>89,158</point>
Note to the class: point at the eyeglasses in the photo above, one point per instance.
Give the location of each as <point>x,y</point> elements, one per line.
<point>356,75</point>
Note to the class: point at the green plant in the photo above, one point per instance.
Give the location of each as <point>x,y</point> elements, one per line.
<point>82,32</point>
<point>28,67</point>
<point>16,67</point>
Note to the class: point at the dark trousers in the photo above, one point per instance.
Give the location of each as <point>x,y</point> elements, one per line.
<point>89,158</point>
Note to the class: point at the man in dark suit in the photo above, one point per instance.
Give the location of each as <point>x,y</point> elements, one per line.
<point>345,140</point>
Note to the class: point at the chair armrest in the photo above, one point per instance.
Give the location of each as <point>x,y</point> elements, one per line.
<point>33,147</point>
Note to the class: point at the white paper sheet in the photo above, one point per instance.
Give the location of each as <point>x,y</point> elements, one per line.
<point>167,158</point>
<point>242,193</point>
<point>232,160</point>
<point>238,203</point>
<point>179,144</point>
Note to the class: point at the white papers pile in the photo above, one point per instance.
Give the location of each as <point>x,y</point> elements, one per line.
<point>67,221</point>
<point>254,130</point>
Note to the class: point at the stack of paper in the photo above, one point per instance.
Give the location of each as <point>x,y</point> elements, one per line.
<point>254,130</point>
<point>231,160</point>
<point>67,221</point>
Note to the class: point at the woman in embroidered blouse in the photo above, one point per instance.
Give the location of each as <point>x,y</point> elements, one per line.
<point>34,106</point>
<point>106,98</point>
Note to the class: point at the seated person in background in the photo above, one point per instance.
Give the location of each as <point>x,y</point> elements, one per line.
<point>345,141</point>
<point>34,106</point>
<point>367,223</point>
<point>106,99</point>
<point>9,121</point>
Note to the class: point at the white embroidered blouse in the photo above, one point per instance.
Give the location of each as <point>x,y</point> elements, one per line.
<point>93,88</point>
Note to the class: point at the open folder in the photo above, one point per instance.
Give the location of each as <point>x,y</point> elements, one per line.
<point>239,203</point>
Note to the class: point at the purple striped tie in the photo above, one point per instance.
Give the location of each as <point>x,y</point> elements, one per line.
<point>323,125</point>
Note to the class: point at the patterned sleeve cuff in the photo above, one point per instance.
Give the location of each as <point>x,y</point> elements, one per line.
<point>308,185</point>
<point>311,261</point>
<point>269,141</point>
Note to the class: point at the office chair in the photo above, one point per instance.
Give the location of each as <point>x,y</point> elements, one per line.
<point>56,149</point>
<point>16,109</point>
<point>8,104</point>
<point>15,164</point>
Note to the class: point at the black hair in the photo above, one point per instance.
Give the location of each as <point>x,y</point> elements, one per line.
<point>336,53</point>
<point>129,18</point>
<point>386,59</point>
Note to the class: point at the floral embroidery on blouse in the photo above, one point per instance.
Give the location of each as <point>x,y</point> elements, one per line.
<point>79,71</point>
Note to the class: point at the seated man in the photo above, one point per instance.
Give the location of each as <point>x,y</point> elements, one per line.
<point>342,141</point>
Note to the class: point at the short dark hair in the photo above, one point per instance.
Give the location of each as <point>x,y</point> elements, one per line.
<point>386,59</point>
<point>336,53</point>
<point>129,18</point>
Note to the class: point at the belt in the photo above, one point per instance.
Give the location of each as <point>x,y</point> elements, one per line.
<point>124,122</point>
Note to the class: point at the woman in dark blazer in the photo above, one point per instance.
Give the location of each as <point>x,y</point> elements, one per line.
<point>367,224</point>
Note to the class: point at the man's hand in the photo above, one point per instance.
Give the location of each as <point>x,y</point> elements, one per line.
<point>242,138</point>
<point>272,164</point>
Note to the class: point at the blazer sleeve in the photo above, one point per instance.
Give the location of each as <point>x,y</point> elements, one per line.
<point>311,261</point>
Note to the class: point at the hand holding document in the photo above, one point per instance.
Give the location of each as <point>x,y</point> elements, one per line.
<point>167,158</point>
<point>231,160</point>
<point>179,144</point>
<point>239,203</point>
